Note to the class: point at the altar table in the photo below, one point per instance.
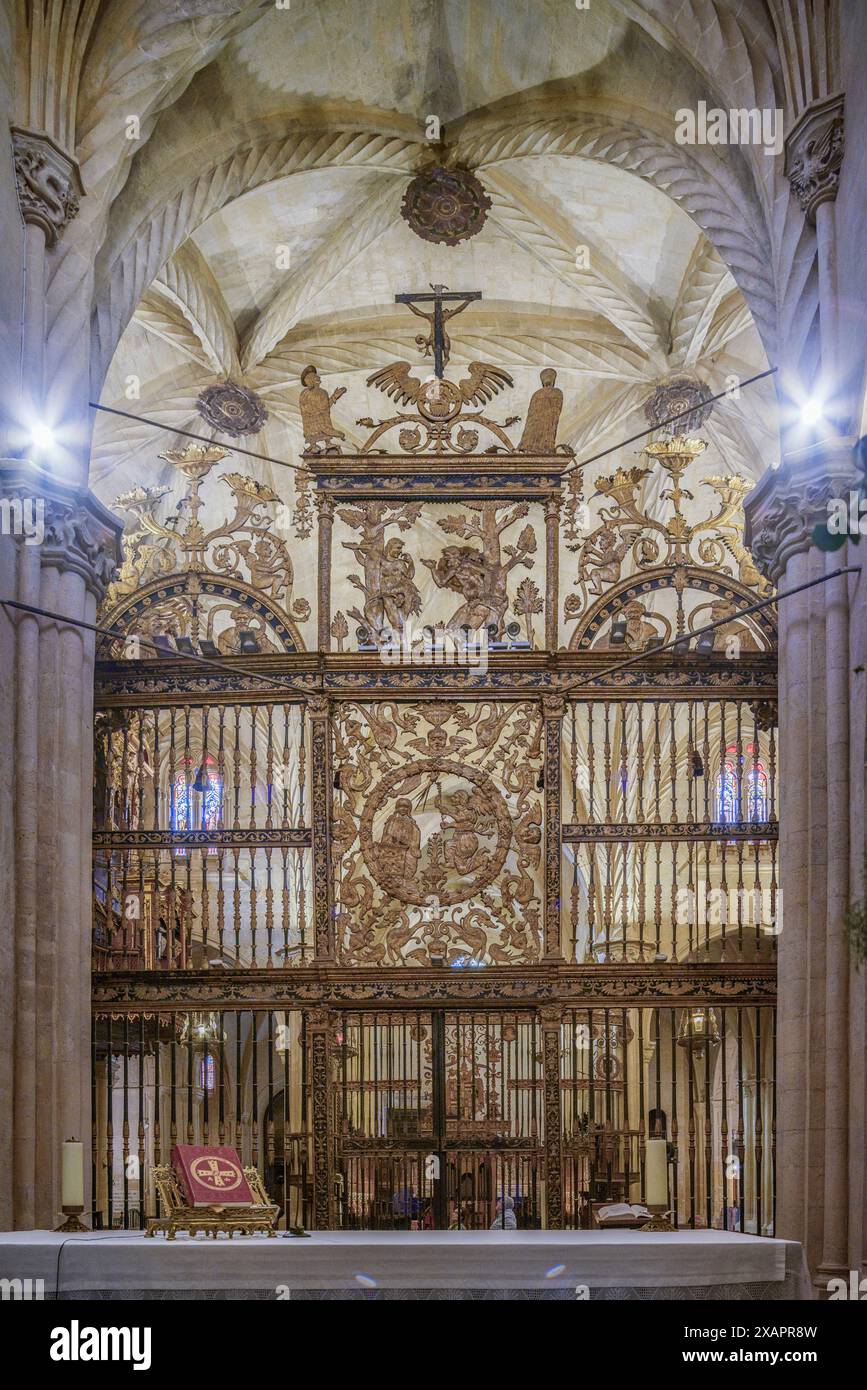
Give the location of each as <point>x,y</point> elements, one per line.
<point>683,1265</point>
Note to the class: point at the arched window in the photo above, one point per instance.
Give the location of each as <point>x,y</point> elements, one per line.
<point>744,777</point>
<point>194,809</point>
<point>207,1072</point>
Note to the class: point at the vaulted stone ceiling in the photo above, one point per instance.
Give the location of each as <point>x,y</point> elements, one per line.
<point>274,182</point>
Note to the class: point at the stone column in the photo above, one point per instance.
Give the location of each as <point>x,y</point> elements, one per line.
<point>820,1061</point>
<point>814,155</point>
<point>60,556</point>
<point>49,189</point>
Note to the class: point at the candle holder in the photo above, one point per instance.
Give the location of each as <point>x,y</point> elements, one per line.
<point>72,1224</point>
<point>658,1219</point>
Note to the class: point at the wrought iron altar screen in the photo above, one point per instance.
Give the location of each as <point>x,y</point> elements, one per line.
<point>430,1117</point>
<point>440,924</point>
<point>393,1093</point>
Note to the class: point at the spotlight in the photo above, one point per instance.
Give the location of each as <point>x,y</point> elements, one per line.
<point>705,643</point>
<point>163,644</point>
<point>618,632</point>
<point>681,646</point>
<point>42,437</point>
<point>697,765</point>
<point>209,648</point>
<point>812,411</point>
<point>247,641</point>
<point>185,646</point>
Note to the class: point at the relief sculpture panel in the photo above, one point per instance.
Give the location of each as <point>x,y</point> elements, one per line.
<point>437,832</point>
<point>459,566</point>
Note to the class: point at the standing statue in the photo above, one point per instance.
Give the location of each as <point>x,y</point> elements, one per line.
<point>315,405</point>
<point>543,416</point>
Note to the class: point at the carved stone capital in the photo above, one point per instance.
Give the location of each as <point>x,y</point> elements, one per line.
<point>553,706</point>
<point>814,153</point>
<point>551,1016</point>
<point>318,706</point>
<point>73,530</point>
<point>324,504</point>
<point>789,501</point>
<point>48,182</point>
<point>553,503</point>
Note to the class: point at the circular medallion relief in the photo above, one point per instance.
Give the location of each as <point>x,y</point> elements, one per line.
<point>445,205</point>
<point>439,401</point>
<point>674,397</point>
<point>232,409</point>
<point>435,829</point>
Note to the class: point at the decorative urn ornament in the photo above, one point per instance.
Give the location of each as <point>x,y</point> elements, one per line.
<point>445,205</point>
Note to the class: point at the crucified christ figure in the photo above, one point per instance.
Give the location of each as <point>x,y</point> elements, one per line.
<point>427,342</point>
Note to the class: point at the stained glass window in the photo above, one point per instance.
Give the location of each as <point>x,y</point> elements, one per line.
<point>754,788</point>
<point>207,1072</point>
<point>194,810</point>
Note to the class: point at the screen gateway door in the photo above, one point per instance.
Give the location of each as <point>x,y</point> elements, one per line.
<point>440,1120</point>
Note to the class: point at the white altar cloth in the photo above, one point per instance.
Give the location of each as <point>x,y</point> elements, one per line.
<point>121,1263</point>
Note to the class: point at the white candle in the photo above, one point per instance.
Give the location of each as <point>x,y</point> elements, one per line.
<point>72,1174</point>
<point>656,1173</point>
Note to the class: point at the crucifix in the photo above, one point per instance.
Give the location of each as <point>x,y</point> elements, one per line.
<point>437,340</point>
